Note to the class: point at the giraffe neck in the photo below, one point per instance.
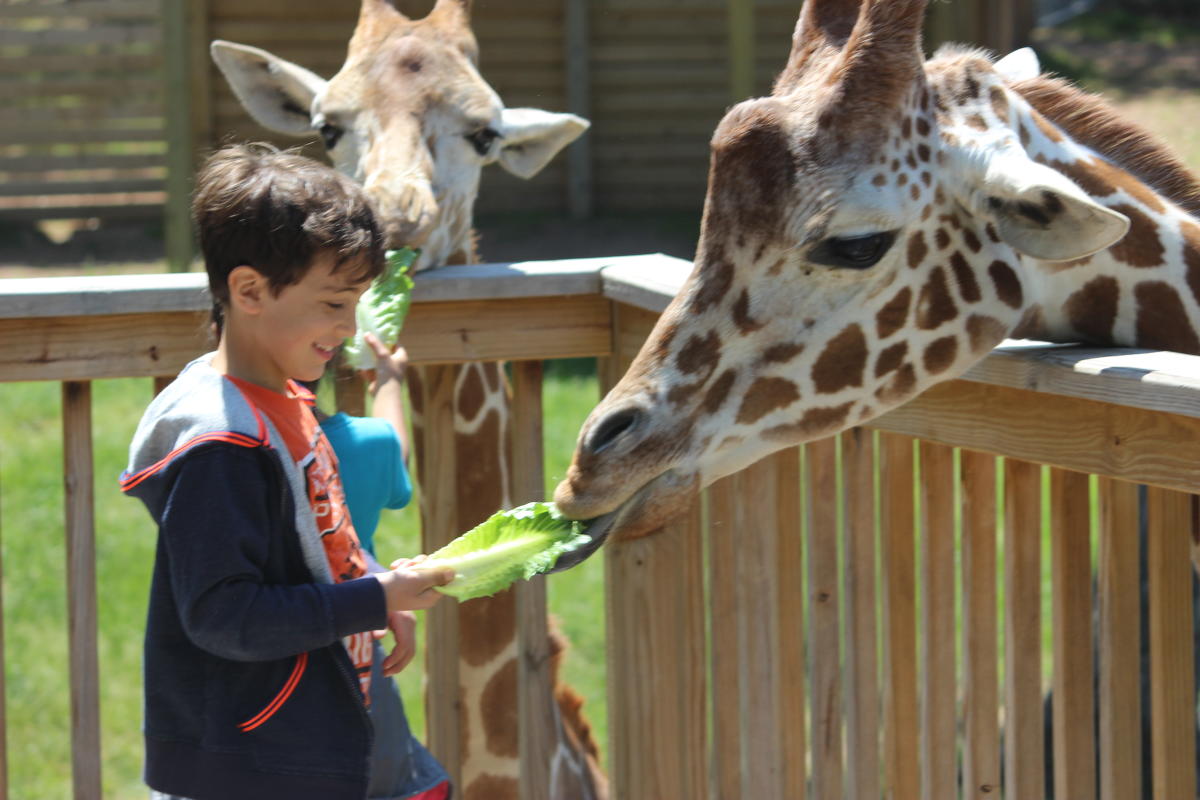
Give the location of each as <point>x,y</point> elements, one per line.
<point>1144,291</point>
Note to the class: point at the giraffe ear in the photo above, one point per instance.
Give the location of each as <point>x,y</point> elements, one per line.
<point>1040,213</point>
<point>277,93</point>
<point>531,137</point>
<point>1019,65</point>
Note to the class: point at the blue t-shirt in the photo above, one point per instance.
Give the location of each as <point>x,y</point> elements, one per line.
<point>372,470</point>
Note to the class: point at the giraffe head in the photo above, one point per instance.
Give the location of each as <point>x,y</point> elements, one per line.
<point>867,232</point>
<point>408,116</point>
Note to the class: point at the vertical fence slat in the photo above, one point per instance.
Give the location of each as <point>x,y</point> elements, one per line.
<point>655,617</point>
<point>1172,662</point>
<point>1071,565</point>
<point>723,535</point>
<point>757,590</point>
<point>81,588</point>
<point>1120,626</point>
<point>790,563</point>
<point>981,750</point>
<point>535,693</point>
<point>938,747</point>
<point>439,525</point>
<point>862,697</point>
<point>825,685</point>
<point>1023,745</point>
<point>900,728</point>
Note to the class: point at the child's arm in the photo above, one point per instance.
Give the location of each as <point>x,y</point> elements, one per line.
<point>388,388</point>
<point>220,528</point>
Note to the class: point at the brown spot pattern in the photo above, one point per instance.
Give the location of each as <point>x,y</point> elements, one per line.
<point>890,359</point>
<point>842,362</point>
<point>492,787</point>
<point>814,423</point>
<point>741,314</point>
<point>1162,321</point>
<point>781,353</point>
<point>894,314</point>
<point>715,279</point>
<point>964,276</point>
<point>491,624</point>
<point>917,249</point>
<point>500,712</point>
<point>471,395</point>
<point>984,332</point>
<point>700,354</point>
<point>714,398</point>
<point>1191,256</point>
<point>971,240</point>
<point>935,306</point>
<point>999,102</point>
<point>940,354</point>
<point>899,387</point>
<point>1008,286</point>
<point>764,396</point>
<point>1141,246</point>
<point>941,238</point>
<point>1092,310</point>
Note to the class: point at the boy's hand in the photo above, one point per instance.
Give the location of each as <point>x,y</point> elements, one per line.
<point>390,365</point>
<point>408,589</point>
<point>403,625</point>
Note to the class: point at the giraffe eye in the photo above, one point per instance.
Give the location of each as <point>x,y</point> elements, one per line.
<point>853,252</point>
<point>482,140</point>
<point>330,134</point>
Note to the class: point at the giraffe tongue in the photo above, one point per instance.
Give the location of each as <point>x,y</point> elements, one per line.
<point>599,529</point>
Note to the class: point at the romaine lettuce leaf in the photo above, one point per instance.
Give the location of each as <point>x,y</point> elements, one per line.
<point>382,308</point>
<point>508,546</point>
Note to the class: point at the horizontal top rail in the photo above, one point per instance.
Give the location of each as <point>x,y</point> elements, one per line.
<point>1145,379</point>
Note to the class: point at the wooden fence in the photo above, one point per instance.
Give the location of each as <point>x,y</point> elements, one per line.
<point>815,627</point>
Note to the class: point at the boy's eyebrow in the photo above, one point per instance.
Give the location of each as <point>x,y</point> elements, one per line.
<point>338,287</point>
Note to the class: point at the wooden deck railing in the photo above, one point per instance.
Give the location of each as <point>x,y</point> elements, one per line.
<point>815,628</point>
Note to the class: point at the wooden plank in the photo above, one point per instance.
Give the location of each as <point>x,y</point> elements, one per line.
<point>565,327</point>
<point>1172,661</point>
<point>95,10</point>
<point>177,47</point>
<point>825,683</point>
<point>862,696</point>
<point>576,40</point>
<point>939,775</point>
<point>1081,435</point>
<point>655,630</point>
<point>80,507</point>
<point>537,717</point>
<point>43,188</point>
<point>439,525</point>
<point>1120,625</point>
<point>790,563</point>
<point>1071,567</point>
<point>1023,748</point>
<point>756,592</point>
<point>900,716</point>
<point>724,623</point>
<point>108,346</point>
<point>981,749</point>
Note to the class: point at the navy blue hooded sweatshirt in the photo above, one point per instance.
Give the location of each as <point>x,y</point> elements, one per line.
<point>249,692</point>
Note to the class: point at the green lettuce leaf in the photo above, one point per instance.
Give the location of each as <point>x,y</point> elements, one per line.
<point>508,546</point>
<point>382,308</point>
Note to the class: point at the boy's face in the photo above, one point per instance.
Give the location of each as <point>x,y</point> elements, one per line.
<point>298,330</point>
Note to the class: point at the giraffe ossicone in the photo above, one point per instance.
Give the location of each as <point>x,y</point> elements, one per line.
<point>875,226</point>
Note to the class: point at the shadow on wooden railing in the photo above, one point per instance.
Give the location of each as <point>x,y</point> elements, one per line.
<point>823,624</point>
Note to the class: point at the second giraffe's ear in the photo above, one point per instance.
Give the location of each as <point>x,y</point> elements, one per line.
<point>531,137</point>
<point>1039,212</point>
<point>277,93</point>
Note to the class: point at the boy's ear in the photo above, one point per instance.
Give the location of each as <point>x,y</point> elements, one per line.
<point>247,289</point>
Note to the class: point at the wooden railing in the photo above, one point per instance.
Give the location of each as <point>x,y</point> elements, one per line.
<point>814,628</point>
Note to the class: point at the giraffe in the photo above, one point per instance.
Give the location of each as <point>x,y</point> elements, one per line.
<point>875,226</point>
<point>411,118</point>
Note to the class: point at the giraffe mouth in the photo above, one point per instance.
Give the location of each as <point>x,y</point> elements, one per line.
<point>642,513</point>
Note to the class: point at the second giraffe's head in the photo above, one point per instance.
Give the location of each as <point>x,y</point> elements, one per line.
<point>868,231</point>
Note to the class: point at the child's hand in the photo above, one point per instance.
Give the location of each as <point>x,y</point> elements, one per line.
<point>407,588</point>
<point>390,365</point>
<point>403,625</point>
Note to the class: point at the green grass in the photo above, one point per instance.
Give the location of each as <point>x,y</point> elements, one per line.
<point>37,689</point>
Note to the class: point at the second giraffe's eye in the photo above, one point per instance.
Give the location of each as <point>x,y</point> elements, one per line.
<point>482,140</point>
<point>330,134</point>
<point>853,252</point>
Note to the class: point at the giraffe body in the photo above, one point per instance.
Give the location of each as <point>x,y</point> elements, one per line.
<point>411,118</point>
<point>876,226</point>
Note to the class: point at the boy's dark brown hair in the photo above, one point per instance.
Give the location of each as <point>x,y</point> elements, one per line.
<point>276,211</point>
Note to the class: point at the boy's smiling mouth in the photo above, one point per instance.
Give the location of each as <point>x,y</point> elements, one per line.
<point>325,352</point>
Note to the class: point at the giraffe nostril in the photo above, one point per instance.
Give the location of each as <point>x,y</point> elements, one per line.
<point>611,428</point>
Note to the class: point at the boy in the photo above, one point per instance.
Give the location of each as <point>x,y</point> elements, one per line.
<point>258,652</point>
